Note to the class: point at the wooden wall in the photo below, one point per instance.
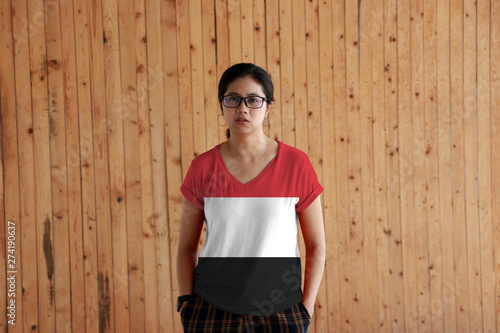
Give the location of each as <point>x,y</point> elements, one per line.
<point>104,103</point>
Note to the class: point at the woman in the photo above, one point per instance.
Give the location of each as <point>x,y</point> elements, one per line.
<point>251,191</point>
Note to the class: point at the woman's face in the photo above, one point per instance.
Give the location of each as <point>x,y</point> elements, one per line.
<point>242,119</point>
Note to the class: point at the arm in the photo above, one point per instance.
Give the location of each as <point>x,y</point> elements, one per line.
<point>189,240</point>
<point>311,223</point>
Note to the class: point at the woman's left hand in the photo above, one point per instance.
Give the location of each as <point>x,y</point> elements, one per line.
<point>313,231</point>
<point>310,307</point>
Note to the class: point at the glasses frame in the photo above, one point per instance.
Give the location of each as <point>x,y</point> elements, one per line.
<point>245,101</point>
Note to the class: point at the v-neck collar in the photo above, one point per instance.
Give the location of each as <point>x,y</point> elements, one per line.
<point>235,181</point>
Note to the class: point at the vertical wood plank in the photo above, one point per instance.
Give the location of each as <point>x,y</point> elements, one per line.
<point>234,27</point>
<point>199,117</point>
<point>58,157</point>
<point>407,171</point>
<point>168,236</point>
<point>419,152</point>
<point>444,160</point>
<point>274,131</point>
<point>495,144</point>
<point>435,265</point>
<point>314,149</point>
<point>27,236</point>
<point>185,89</point>
<point>380,167</point>
<point>116,163</point>
<point>299,74</point>
<point>259,35</point>
<point>222,48</point>
<point>151,319</point>
<point>471,164</point>
<point>222,32</point>
<point>326,161</point>
<point>247,38</point>
<point>392,161</point>
<point>133,170</point>
<point>197,79</point>
<point>10,219</point>
<point>485,165</point>
<point>355,221</point>
<point>43,198</point>
<point>330,300</point>
<point>101,168</point>
<point>221,21</point>
<point>300,89</point>
<point>313,83</point>
<point>211,104</point>
<point>82,42</point>
<point>156,76</point>
<point>458,161</point>
<point>346,322</point>
<point>75,241</point>
<point>367,162</point>
<point>286,67</point>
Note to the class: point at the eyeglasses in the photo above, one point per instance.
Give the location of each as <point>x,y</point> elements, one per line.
<point>252,102</point>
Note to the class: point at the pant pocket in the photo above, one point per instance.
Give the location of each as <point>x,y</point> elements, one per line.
<point>303,309</point>
<point>187,305</point>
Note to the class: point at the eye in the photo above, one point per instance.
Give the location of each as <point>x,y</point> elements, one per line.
<point>253,100</point>
<point>232,98</point>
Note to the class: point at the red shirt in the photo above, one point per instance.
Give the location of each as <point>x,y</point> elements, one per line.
<point>250,262</point>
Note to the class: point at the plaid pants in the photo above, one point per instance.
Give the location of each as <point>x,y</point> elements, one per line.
<point>197,315</point>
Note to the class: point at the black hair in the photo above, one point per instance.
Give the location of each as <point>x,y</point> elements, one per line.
<point>241,70</point>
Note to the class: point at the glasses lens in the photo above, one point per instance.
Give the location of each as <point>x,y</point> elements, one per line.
<point>235,101</point>
<point>254,102</point>
<point>231,101</point>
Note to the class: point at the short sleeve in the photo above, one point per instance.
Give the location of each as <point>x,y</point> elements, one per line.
<point>190,188</point>
<point>309,186</point>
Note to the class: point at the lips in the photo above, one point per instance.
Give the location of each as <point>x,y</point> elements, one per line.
<point>242,120</point>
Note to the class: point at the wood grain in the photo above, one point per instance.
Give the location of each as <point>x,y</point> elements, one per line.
<point>105,104</point>
<point>58,165</point>
<point>42,178</point>
<point>11,259</point>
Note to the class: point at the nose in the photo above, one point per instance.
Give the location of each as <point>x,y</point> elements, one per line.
<point>242,107</point>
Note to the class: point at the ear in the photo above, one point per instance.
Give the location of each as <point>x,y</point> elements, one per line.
<point>269,107</point>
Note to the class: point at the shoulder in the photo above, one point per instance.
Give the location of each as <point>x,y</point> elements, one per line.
<point>205,159</point>
<point>291,153</point>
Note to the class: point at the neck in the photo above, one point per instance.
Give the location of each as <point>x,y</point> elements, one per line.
<point>249,145</point>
